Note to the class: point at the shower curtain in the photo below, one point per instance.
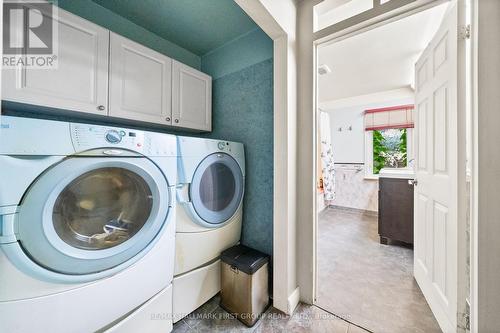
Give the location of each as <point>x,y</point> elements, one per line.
<point>327,163</point>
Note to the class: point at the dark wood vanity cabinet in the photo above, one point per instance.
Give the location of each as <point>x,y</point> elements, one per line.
<point>395,210</point>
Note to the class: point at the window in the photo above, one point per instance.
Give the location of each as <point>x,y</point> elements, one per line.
<point>389,149</point>
<point>334,11</point>
<point>388,139</point>
<point>342,14</point>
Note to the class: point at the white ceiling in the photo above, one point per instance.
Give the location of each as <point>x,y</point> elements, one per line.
<point>377,60</point>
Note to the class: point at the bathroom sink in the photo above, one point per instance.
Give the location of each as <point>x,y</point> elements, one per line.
<point>405,173</point>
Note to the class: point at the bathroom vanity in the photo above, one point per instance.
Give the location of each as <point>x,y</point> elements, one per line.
<point>395,205</point>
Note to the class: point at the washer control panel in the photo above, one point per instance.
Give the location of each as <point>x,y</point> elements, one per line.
<point>224,146</point>
<point>86,137</point>
<point>113,136</point>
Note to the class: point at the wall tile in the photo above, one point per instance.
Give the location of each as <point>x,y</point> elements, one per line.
<point>352,190</point>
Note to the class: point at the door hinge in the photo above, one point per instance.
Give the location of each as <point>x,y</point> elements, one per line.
<point>465,32</point>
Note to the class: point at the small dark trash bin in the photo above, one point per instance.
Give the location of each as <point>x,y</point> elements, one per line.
<point>244,283</point>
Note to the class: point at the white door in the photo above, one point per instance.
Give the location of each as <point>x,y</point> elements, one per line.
<point>435,258</point>
<point>79,83</point>
<point>140,82</point>
<point>192,98</point>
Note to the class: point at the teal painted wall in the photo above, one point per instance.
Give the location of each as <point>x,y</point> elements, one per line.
<point>99,15</point>
<point>248,49</point>
<point>196,25</point>
<point>243,112</point>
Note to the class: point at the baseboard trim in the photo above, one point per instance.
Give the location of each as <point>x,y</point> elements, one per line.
<point>293,301</point>
<point>355,210</point>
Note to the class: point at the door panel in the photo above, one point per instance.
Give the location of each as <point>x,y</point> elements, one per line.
<point>102,208</point>
<point>140,82</point>
<point>216,190</point>
<point>436,213</point>
<point>79,83</point>
<point>422,135</point>
<point>420,237</point>
<point>192,98</point>
<point>96,213</point>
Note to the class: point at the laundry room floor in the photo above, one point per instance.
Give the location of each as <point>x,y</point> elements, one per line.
<point>210,317</point>
<point>365,282</point>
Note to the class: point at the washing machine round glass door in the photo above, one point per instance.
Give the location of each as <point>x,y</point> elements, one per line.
<point>216,190</point>
<point>89,214</point>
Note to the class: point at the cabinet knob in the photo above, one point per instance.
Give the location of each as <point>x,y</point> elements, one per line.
<point>167,119</point>
<point>176,121</point>
<point>413,182</point>
<point>101,108</point>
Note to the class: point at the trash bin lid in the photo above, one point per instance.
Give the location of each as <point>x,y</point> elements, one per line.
<point>244,258</point>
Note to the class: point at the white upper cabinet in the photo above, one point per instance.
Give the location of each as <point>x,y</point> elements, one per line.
<point>191,98</point>
<point>80,82</point>
<point>140,83</point>
<point>144,85</point>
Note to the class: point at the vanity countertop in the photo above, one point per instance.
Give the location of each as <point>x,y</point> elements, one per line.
<point>401,173</point>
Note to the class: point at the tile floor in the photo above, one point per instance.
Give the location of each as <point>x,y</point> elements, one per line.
<point>210,317</point>
<point>365,282</point>
<point>360,280</point>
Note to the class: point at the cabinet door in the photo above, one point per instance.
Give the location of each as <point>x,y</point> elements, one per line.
<point>80,81</point>
<point>140,82</point>
<point>191,98</point>
<point>396,209</point>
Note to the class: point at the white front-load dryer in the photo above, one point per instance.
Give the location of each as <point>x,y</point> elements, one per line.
<point>87,225</point>
<point>211,186</point>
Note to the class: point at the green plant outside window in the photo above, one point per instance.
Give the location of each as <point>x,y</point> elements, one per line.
<point>389,149</point>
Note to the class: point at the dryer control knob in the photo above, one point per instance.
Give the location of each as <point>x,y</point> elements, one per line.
<point>113,136</point>
<point>221,145</point>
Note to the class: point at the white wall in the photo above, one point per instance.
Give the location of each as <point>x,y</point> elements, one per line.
<point>306,137</point>
<point>488,166</point>
<point>278,19</point>
<point>352,189</point>
<point>285,253</point>
<point>335,12</point>
<point>348,144</point>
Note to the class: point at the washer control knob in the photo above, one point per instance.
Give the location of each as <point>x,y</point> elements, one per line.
<point>221,145</point>
<point>113,136</point>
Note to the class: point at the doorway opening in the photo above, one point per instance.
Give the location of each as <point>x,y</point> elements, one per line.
<point>387,172</point>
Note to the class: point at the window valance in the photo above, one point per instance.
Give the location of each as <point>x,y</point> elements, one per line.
<point>391,117</point>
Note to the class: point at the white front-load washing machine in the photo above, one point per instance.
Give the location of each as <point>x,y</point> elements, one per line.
<point>87,227</point>
<point>211,183</point>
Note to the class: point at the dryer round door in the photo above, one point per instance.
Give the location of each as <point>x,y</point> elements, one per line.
<point>88,214</point>
<point>216,190</point>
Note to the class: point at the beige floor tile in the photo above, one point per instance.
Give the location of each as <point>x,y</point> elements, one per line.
<point>365,282</point>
